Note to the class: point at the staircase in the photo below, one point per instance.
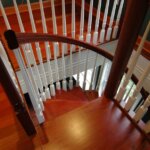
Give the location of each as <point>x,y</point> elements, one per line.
<point>64,72</point>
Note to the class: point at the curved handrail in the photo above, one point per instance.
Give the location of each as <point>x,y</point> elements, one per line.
<point>37,37</point>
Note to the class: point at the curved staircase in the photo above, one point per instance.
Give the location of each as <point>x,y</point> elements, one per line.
<point>80,94</point>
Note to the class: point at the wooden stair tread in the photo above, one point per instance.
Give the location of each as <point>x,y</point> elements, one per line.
<point>76,94</point>
<point>55,108</point>
<point>95,126</point>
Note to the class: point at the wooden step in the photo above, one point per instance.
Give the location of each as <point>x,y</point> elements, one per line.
<point>99,125</point>
<point>76,94</point>
<point>63,102</point>
<point>55,108</point>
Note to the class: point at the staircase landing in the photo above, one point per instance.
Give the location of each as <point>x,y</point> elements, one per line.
<point>99,125</point>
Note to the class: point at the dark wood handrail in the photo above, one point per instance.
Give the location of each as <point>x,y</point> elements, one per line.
<point>37,37</point>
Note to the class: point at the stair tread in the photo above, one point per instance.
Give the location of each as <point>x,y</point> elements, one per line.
<point>98,125</point>
<point>75,94</point>
<point>55,108</point>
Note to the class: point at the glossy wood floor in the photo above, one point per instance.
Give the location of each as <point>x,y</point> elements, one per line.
<point>98,125</point>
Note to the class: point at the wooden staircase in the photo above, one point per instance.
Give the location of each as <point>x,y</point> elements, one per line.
<point>75,119</point>
<point>65,102</point>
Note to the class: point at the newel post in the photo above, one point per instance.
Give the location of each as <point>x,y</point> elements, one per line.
<point>134,16</point>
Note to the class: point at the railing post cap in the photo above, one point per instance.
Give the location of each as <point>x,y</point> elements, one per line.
<point>11,39</point>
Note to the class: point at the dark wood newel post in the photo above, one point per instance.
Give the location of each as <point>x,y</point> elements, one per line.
<point>15,100</point>
<point>134,16</point>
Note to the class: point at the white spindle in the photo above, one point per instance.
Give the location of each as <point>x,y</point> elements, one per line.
<point>99,86</point>
<point>34,99</point>
<point>32,78</point>
<point>47,47</point>
<point>72,48</point>
<point>104,76</point>
<point>4,16</point>
<point>82,20</point>
<point>56,47</point>
<point>142,110</point>
<point>28,54</point>
<point>116,27</point>
<point>122,89</point>
<point>93,72</point>
<point>88,35</point>
<point>28,48</point>
<point>80,38</point>
<point>88,39</point>
<point>95,35</point>
<point>147,127</point>
<point>109,30</point>
<point>64,46</point>
<point>64,26</point>
<point>139,85</point>
<point>102,33</point>
<point>32,93</point>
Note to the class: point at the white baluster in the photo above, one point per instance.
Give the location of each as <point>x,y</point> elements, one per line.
<point>95,38</point>
<point>93,72</point>
<point>109,30</point>
<point>95,35</point>
<point>142,110</point>
<point>122,89</point>
<point>100,86</point>
<point>32,77</point>
<point>56,47</point>
<point>37,47</point>
<point>4,16</point>
<point>88,35</point>
<point>72,48</point>
<point>116,27</point>
<point>102,33</point>
<point>34,99</point>
<point>147,127</point>
<point>80,38</point>
<point>88,39</point>
<point>28,48</point>
<point>8,25</point>
<point>47,47</point>
<point>139,85</point>
<point>64,46</point>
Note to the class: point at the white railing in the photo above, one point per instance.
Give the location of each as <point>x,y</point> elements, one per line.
<point>39,77</point>
<point>130,100</point>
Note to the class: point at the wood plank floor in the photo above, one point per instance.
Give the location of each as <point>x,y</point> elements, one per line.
<point>99,125</point>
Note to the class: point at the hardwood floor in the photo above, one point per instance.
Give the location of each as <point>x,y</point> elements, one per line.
<point>72,122</point>
<point>97,125</point>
